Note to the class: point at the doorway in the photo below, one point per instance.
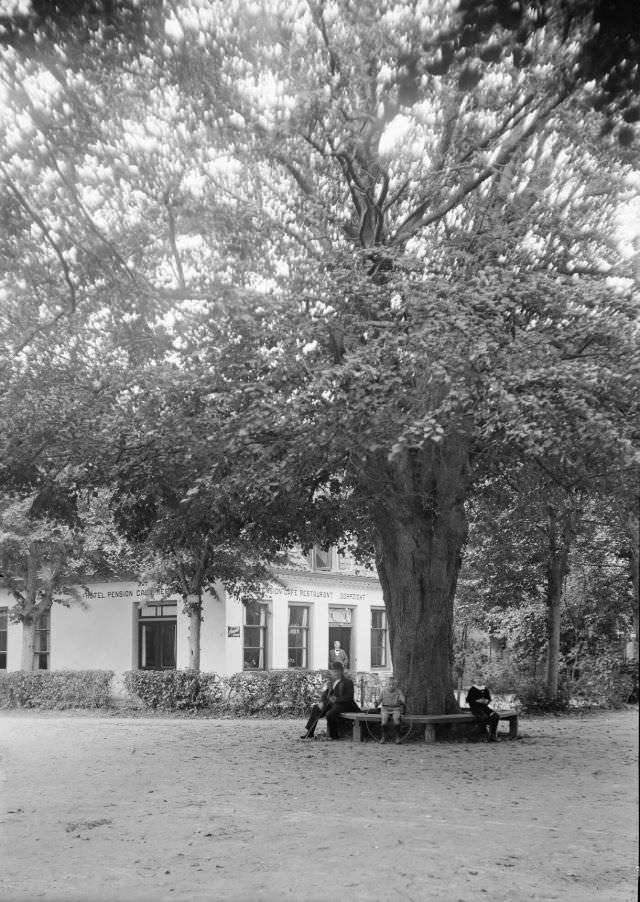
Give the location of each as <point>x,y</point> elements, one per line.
<point>341,634</point>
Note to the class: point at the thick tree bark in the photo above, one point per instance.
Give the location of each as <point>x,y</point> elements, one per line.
<point>30,611</point>
<point>28,641</point>
<point>554,610</point>
<point>634,532</point>
<point>556,572</point>
<point>193,608</point>
<point>420,532</point>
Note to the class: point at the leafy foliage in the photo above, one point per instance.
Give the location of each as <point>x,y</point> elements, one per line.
<point>277,692</point>
<point>56,689</point>
<point>170,690</point>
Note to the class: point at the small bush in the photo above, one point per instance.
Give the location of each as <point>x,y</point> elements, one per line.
<point>534,698</point>
<point>57,689</point>
<point>603,682</point>
<point>294,691</point>
<point>174,690</point>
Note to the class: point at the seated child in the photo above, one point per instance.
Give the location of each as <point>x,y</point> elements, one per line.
<point>392,702</point>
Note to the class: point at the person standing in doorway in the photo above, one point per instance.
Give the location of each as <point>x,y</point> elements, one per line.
<point>337,655</point>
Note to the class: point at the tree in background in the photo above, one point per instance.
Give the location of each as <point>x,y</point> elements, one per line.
<point>564,621</point>
<point>186,543</point>
<point>48,547</point>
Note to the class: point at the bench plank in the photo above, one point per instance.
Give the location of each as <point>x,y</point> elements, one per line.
<point>360,718</point>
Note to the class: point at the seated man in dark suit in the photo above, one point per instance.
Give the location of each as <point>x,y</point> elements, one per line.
<point>479,699</point>
<point>336,699</point>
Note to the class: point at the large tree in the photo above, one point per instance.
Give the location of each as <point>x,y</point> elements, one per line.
<point>391,249</point>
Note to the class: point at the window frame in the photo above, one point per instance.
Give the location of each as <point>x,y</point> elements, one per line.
<point>4,636</point>
<point>303,630</point>
<point>157,619</point>
<point>262,627</point>
<point>384,645</point>
<point>42,649</point>
<point>312,559</point>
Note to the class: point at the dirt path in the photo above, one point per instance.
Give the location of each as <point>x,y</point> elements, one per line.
<point>109,809</point>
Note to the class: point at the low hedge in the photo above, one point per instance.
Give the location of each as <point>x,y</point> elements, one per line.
<point>56,689</point>
<point>284,692</point>
<point>175,690</point>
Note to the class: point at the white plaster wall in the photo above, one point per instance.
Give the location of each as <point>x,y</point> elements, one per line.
<point>319,616</point>
<point>182,639</point>
<point>233,650</point>
<point>278,631</point>
<point>213,631</point>
<point>100,634</point>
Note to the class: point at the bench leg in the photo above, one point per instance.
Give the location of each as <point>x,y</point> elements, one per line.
<point>357,736</point>
<point>429,733</point>
<point>513,728</point>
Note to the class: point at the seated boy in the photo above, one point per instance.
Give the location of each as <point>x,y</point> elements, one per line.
<point>392,702</point>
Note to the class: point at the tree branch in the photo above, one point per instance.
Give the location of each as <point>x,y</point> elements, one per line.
<point>418,220</point>
<point>46,232</point>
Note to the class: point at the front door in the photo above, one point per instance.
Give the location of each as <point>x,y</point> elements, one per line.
<point>158,644</point>
<point>342,634</point>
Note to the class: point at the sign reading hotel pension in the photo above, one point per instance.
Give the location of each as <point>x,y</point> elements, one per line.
<point>138,592</point>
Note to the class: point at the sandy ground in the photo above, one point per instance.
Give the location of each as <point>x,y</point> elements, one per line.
<point>110,809</point>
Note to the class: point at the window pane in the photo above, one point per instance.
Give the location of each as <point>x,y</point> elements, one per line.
<point>4,625</point>
<point>378,638</point>
<point>297,647</point>
<point>253,658</point>
<point>297,657</point>
<point>168,646</point>
<point>323,559</point>
<point>148,652</point>
<point>298,616</point>
<point>254,614</point>
<point>252,636</point>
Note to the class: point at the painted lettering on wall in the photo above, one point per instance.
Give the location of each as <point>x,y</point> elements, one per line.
<point>123,593</point>
<point>301,593</point>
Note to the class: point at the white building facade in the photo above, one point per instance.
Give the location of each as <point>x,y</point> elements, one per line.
<point>311,603</point>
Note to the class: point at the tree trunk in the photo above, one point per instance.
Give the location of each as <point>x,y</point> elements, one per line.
<point>554,602</point>
<point>556,572</point>
<point>28,642</point>
<point>29,612</point>
<point>634,532</point>
<point>193,608</point>
<point>420,532</point>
